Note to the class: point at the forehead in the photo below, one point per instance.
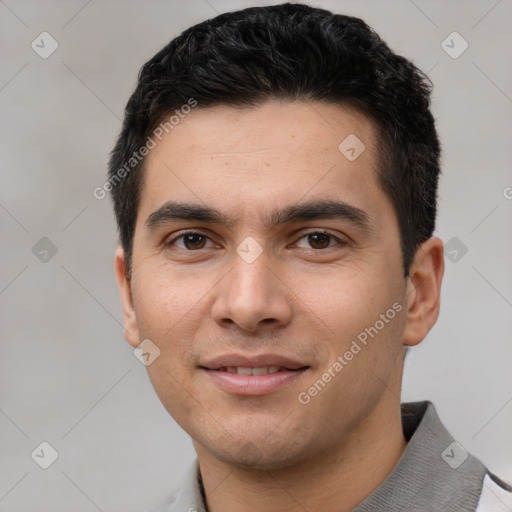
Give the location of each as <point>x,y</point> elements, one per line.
<point>275,154</point>
<point>236,134</point>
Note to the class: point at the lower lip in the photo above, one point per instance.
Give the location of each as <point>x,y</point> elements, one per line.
<point>253,384</point>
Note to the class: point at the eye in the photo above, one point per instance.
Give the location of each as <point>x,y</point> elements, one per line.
<point>319,240</point>
<point>190,241</point>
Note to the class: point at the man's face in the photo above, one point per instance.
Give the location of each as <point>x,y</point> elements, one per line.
<point>277,284</point>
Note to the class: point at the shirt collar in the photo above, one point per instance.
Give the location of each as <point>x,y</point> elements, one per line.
<point>433,473</point>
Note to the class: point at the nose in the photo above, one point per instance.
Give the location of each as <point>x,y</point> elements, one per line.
<point>252,297</point>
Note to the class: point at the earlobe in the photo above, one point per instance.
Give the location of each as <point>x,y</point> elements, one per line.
<point>424,290</point>
<point>131,330</point>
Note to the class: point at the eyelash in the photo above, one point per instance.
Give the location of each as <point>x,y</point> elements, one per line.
<point>317,232</point>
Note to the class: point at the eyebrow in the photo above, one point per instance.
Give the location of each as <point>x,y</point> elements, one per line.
<point>172,211</point>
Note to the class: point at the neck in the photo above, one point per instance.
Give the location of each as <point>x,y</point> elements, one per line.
<point>338,480</point>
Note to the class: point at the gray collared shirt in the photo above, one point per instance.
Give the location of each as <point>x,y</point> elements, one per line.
<point>433,474</point>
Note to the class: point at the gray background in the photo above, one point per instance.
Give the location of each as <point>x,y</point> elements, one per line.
<point>66,374</point>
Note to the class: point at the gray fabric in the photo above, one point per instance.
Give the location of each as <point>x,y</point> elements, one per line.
<point>422,480</point>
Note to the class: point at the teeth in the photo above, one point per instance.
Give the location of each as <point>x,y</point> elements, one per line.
<point>259,371</point>
<point>252,371</point>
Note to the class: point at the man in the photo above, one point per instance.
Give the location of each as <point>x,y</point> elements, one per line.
<point>275,189</point>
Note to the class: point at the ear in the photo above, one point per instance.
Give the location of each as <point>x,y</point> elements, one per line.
<point>424,290</point>
<point>131,329</point>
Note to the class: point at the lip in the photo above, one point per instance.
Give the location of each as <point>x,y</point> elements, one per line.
<point>256,361</point>
<point>252,385</point>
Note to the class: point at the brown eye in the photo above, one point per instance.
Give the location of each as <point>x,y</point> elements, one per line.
<point>318,240</point>
<point>194,241</point>
<point>189,241</point>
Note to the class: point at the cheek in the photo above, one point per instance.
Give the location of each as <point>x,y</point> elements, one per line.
<point>343,299</point>
<point>348,303</point>
<point>160,312</point>
<point>164,300</point>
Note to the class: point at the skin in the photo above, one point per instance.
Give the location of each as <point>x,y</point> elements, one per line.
<point>298,298</point>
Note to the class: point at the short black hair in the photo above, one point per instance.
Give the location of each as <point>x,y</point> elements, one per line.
<point>289,52</point>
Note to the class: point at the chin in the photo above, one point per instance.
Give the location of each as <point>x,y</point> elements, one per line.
<point>260,455</point>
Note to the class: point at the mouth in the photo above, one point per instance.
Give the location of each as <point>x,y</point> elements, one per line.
<point>262,370</point>
<point>251,376</point>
